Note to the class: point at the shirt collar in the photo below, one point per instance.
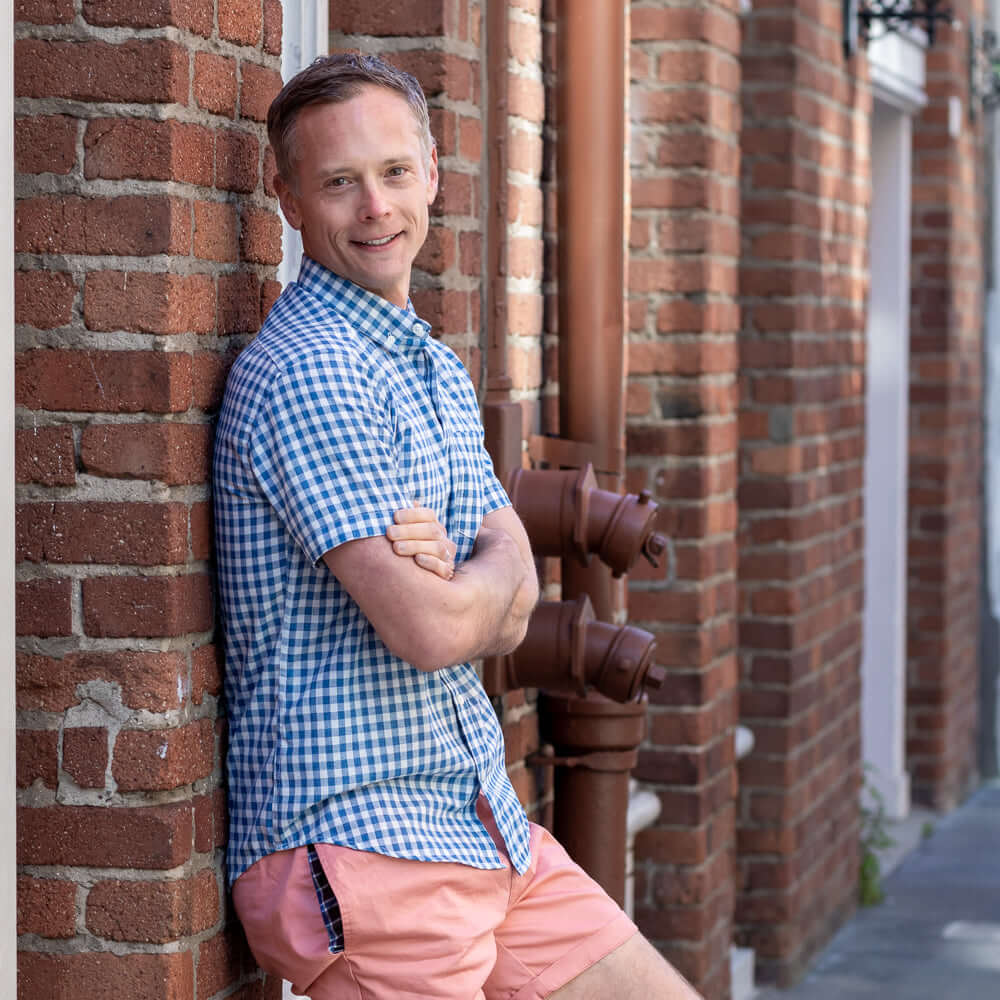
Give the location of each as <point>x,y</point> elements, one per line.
<point>397,330</point>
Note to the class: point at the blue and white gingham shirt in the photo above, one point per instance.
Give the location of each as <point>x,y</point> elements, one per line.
<point>338,414</point>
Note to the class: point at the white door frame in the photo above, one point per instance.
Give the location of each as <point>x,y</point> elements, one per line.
<point>305,35</point>
<point>897,82</point>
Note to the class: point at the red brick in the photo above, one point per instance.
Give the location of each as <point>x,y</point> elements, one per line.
<point>239,303</point>
<point>137,72</point>
<point>44,11</point>
<point>153,681</point>
<point>160,759</point>
<point>157,837</point>
<point>101,975</point>
<point>139,534</point>
<point>46,907</point>
<point>392,17</point>
<point>99,381</point>
<point>132,225</point>
<point>171,453</point>
<point>136,607</point>
<point>153,912</point>
<point>45,144</point>
<point>44,299</point>
<point>210,821</point>
<point>241,21</point>
<point>215,83</point>
<point>85,755</point>
<point>200,530</point>
<point>269,292</point>
<point>272,27</point>
<point>259,85</point>
<point>209,371</point>
<point>43,607</point>
<point>195,15</point>
<point>37,757</point>
<point>140,302</point>
<point>237,155</point>
<point>216,234</point>
<point>260,236</point>
<point>222,960</point>
<point>206,672</point>
<point>45,455</point>
<point>121,148</point>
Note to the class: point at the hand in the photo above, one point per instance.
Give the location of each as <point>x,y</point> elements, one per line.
<point>416,532</point>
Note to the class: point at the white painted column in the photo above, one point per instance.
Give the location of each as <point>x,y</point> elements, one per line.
<point>883,667</point>
<point>8,854</point>
<point>305,35</point>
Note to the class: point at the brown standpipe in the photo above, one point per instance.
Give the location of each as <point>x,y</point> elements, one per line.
<point>564,512</point>
<point>567,649</point>
<point>591,794</point>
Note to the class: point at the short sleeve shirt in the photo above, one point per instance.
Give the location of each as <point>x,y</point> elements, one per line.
<point>342,411</point>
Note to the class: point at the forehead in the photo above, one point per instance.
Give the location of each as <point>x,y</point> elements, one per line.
<point>376,121</point>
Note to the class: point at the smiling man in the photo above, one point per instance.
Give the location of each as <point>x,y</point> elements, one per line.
<point>367,553</point>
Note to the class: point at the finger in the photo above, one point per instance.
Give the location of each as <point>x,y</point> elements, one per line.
<point>414,515</point>
<point>430,531</point>
<point>442,568</point>
<point>438,548</point>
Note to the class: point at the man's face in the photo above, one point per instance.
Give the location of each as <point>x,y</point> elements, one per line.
<point>364,184</point>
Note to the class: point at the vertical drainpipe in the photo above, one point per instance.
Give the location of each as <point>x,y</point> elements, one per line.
<point>595,738</point>
<point>591,227</point>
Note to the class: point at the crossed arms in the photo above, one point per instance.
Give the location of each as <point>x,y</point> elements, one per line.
<point>403,584</point>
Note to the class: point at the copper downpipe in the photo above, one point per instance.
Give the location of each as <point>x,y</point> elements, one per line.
<point>594,738</point>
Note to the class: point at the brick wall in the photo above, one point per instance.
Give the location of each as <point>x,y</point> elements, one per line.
<point>803,283</point>
<point>146,239</point>
<point>945,430</point>
<point>683,320</point>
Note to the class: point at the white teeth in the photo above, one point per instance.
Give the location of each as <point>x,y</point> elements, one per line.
<point>378,243</point>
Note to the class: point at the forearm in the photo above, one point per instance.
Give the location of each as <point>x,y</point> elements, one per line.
<point>508,592</point>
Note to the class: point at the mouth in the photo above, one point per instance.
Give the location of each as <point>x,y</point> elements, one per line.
<point>382,241</point>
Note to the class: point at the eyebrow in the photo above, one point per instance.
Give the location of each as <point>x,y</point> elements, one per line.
<point>387,162</point>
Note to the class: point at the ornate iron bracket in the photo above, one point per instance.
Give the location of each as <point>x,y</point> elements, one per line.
<point>867,20</point>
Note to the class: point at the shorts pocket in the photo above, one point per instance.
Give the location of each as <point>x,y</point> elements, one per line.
<point>329,907</point>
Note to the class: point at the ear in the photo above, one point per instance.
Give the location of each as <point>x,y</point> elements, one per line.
<point>432,175</point>
<point>289,202</point>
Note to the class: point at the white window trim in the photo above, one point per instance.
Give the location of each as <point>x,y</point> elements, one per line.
<point>305,35</point>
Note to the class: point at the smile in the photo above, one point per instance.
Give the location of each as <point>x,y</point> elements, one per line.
<point>377,243</point>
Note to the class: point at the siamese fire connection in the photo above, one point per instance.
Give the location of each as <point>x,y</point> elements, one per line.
<point>567,649</point>
<point>565,513</point>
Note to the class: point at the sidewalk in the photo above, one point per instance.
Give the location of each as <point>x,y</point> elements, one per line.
<point>937,934</point>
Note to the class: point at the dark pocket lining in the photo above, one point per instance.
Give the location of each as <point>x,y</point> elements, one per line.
<point>329,907</point>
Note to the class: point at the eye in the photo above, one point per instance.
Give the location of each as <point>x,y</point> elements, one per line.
<point>336,182</point>
<point>396,171</point>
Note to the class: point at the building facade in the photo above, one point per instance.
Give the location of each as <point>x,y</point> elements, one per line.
<point>802,316</point>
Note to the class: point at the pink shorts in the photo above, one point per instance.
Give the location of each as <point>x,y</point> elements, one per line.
<point>420,929</point>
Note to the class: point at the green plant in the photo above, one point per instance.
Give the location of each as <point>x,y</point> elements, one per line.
<point>874,837</point>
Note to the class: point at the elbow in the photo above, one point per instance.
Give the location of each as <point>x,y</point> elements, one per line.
<point>425,645</point>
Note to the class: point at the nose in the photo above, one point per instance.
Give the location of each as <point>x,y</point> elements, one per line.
<point>373,204</point>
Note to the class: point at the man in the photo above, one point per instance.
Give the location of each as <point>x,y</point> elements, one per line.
<point>367,553</point>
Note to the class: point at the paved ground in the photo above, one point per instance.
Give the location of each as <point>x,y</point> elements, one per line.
<point>937,935</point>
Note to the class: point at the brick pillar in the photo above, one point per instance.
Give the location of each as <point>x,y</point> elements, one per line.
<point>945,431</point>
<point>681,441</point>
<point>146,237</point>
<point>806,181</point>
